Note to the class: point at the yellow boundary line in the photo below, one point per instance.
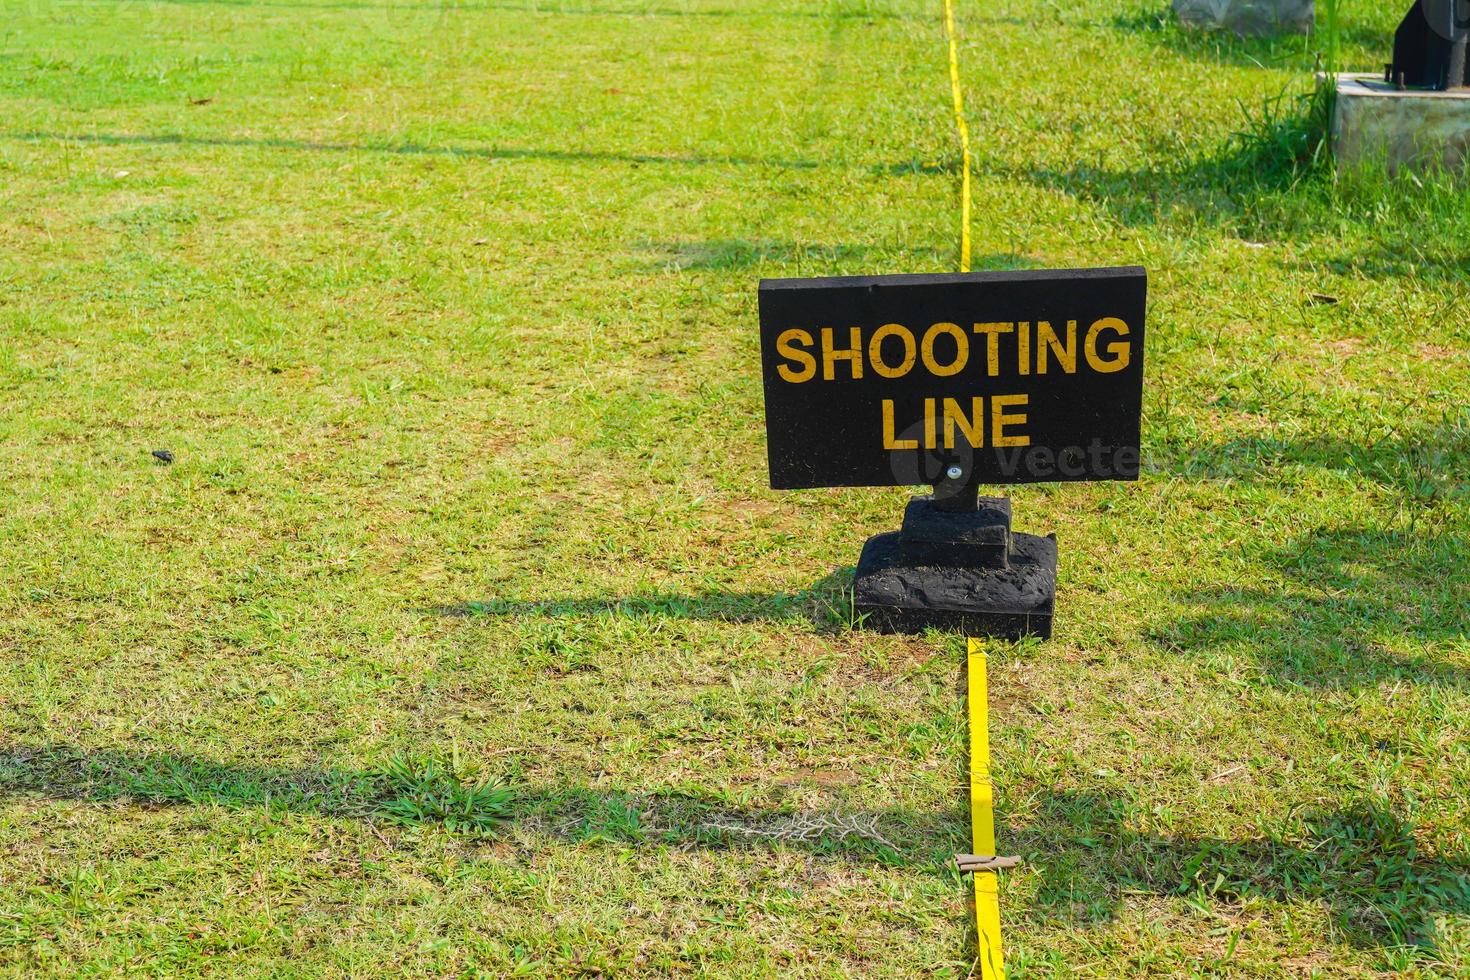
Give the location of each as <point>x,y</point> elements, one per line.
<point>982,817</point>
<point>964,131</point>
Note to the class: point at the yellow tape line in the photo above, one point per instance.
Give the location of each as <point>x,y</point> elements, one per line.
<point>982,818</point>
<point>959,122</point>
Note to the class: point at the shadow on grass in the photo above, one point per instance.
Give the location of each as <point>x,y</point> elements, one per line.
<point>1364,862</point>
<point>1421,457</point>
<point>412,149</point>
<point>1346,599</point>
<point>726,254</point>
<point>743,253</point>
<point>409,148</point>
<point>1279,148</point>
<point>826,603</point>
<point>1285,50</point>
<point>568,813</point>
<point>570,8</point>
<point>1407,262</point>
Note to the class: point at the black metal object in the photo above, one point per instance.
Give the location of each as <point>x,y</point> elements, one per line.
<point>958,570</point>
<point>1429,47</point>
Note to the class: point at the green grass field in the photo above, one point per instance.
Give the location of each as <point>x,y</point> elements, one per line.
<point>447,312</point>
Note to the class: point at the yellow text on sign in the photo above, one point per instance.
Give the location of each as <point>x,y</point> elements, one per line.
<point>947,417</point>
<point>945,349</point>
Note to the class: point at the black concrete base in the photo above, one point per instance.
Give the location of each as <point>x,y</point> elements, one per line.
<point>897,594</point>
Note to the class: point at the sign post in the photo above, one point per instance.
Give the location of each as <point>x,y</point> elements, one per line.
<point>954,381</point>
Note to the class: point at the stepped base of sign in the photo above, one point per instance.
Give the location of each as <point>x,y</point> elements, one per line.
<point>1247,17</point>
<point>1375,123</point>
<point>966,572</point>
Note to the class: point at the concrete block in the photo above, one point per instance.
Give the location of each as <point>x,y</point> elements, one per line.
<point>1247,17</point>
<point>1008,603</point>
<point>1373,122</point>
<point>963,571</point>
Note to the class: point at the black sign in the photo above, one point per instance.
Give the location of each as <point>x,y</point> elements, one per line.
<point>1010,377</point>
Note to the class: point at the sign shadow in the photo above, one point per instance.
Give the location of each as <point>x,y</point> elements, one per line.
<point>826,604</point>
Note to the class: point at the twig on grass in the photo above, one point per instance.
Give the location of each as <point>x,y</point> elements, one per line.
<point>805,828</point>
